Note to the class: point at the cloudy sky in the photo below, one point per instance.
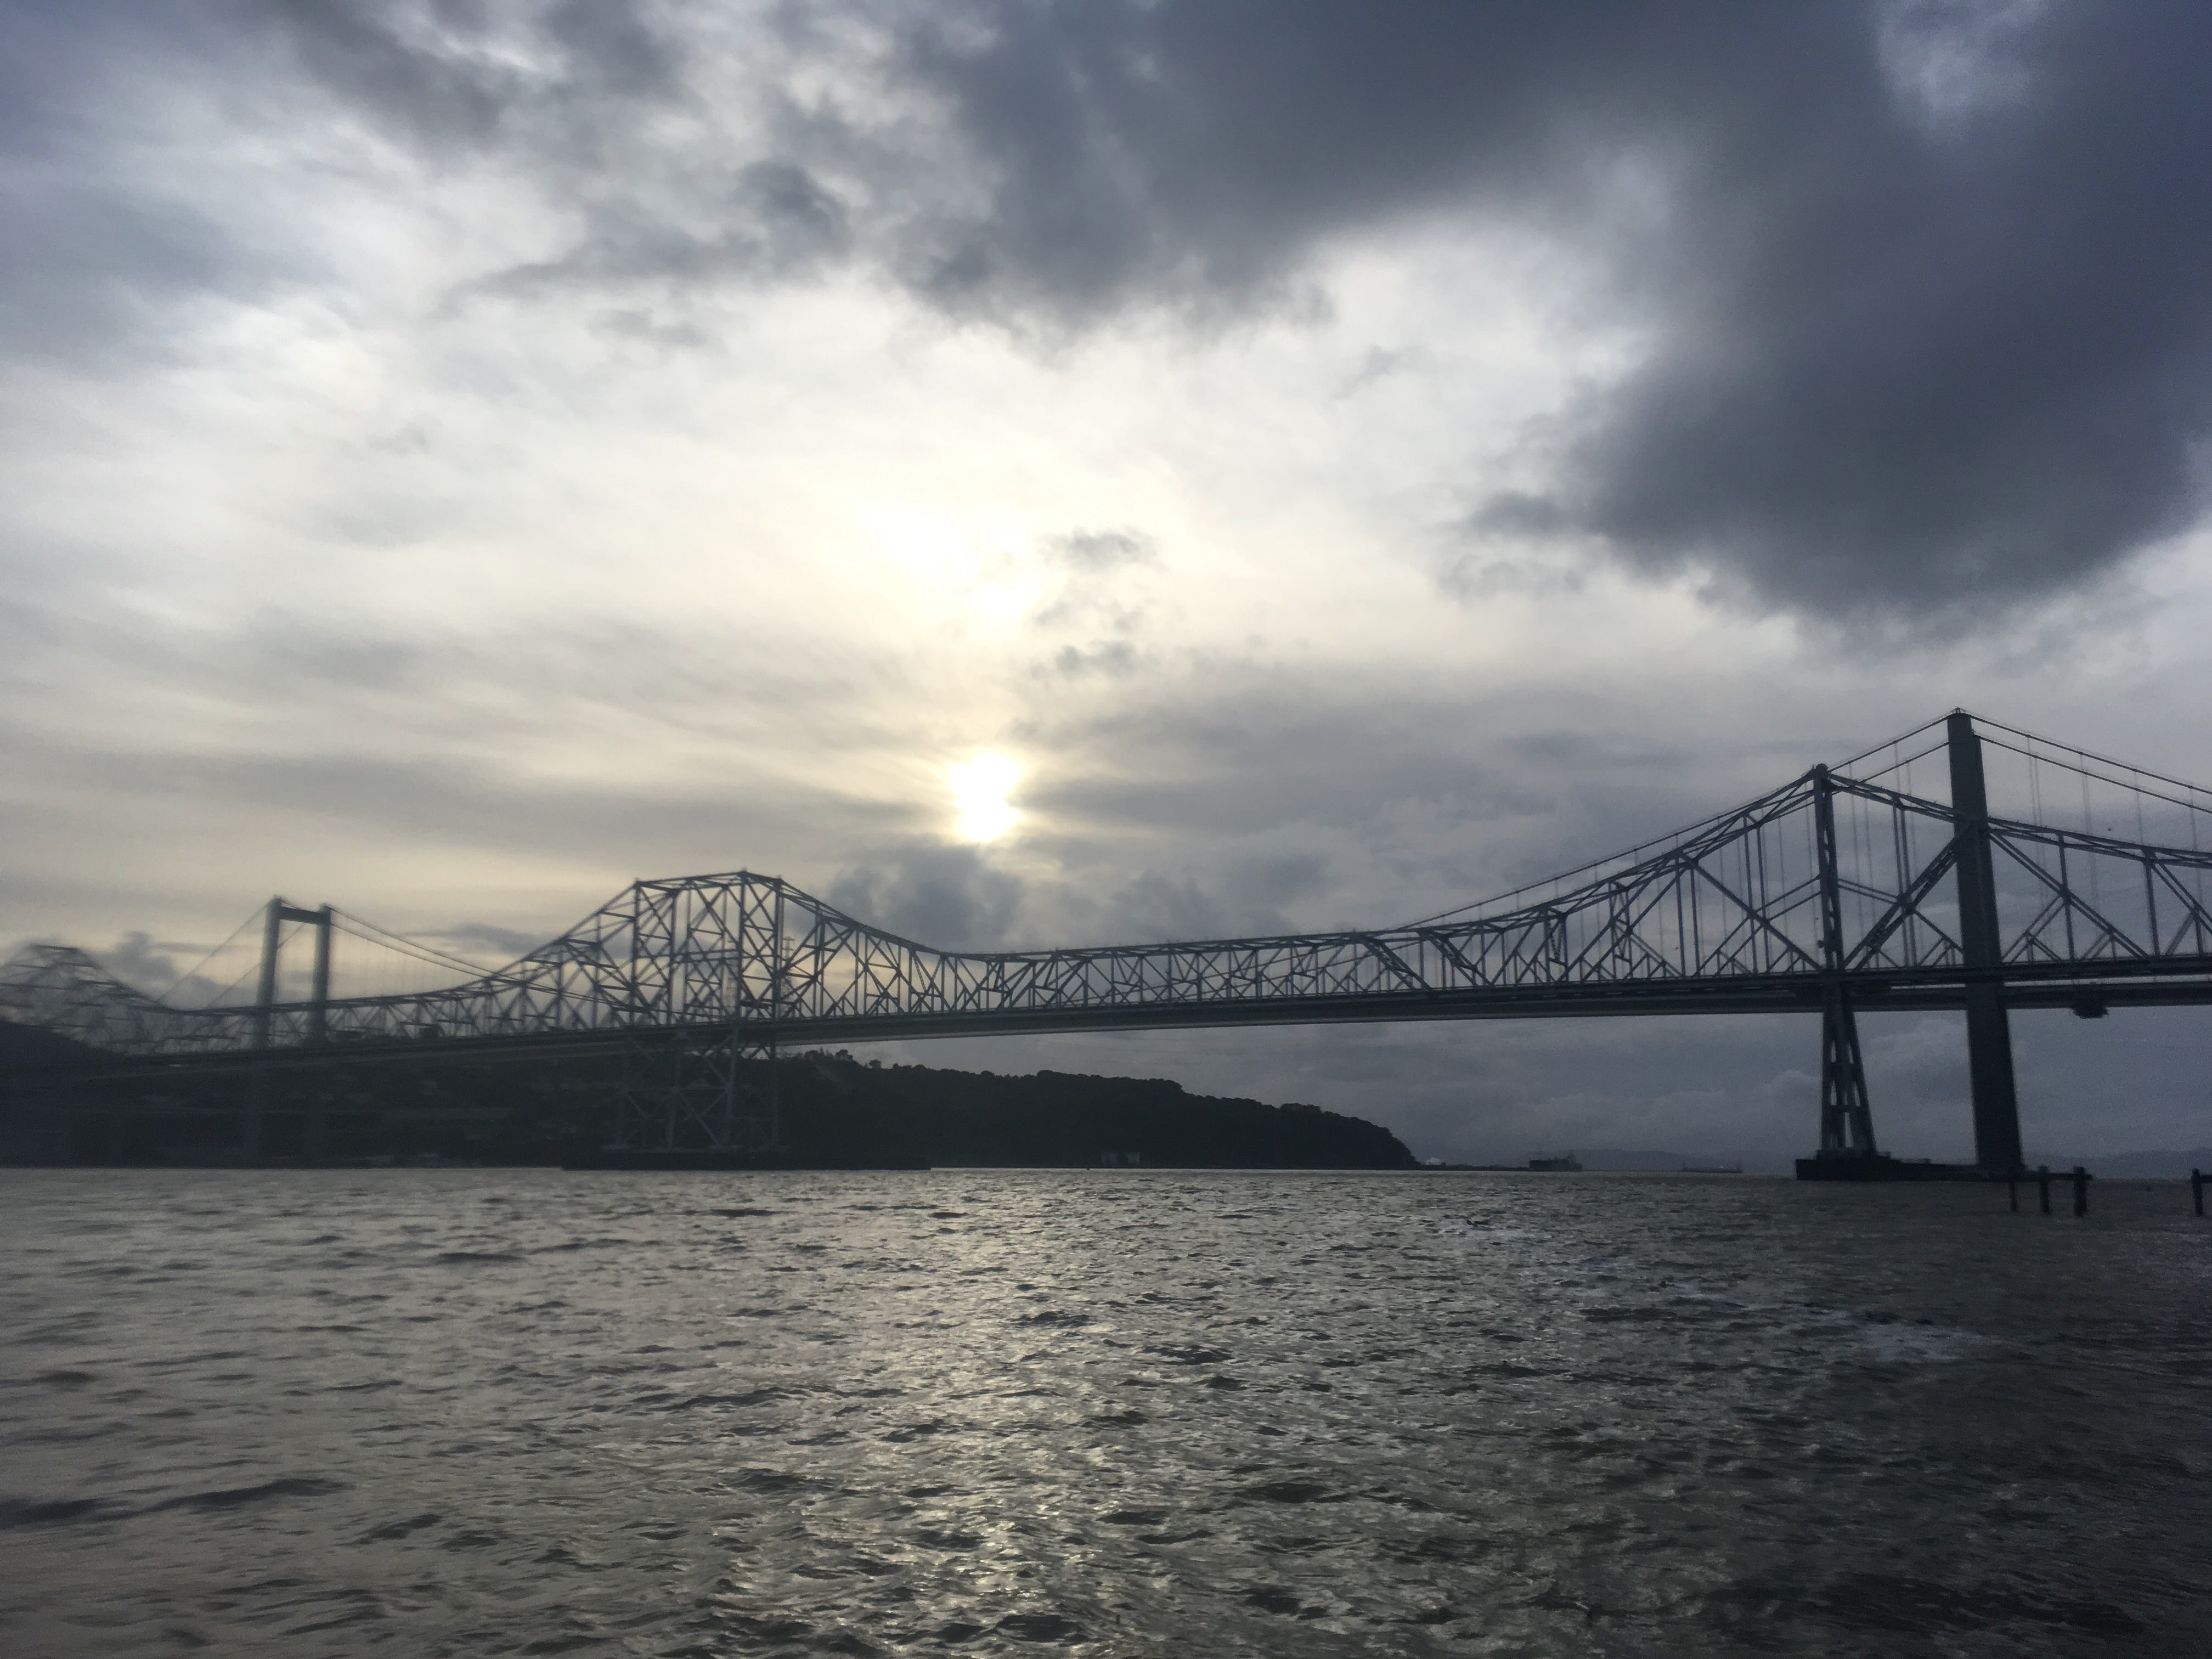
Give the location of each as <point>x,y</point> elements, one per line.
<point>1051,473</point>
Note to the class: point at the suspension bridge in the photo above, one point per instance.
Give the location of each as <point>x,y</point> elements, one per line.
<point>1952,868</point>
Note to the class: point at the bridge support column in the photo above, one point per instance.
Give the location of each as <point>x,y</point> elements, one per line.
<point>319,995</point>
<point>315,1134</point>
<point>1989,1027</point>
<point>264,1002</point>
<point>1846,1114</point>
<point>698,1095</point>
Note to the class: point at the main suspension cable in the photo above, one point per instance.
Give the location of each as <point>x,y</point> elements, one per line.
<point>400,942</point>
<point>252,917</point>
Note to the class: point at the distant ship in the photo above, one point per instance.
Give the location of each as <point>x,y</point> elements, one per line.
<point>1567,1162</point>
<point>1712,1168</point>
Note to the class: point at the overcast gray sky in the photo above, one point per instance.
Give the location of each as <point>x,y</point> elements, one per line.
<point>1049,473</point>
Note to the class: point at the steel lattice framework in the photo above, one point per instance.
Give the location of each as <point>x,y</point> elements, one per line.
<point>1836,892</point>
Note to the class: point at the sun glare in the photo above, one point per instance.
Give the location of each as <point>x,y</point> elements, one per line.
<point>1000,602</point>
<point>980,788</point>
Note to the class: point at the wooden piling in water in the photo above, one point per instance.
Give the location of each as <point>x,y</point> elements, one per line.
<point>2081,1190</point>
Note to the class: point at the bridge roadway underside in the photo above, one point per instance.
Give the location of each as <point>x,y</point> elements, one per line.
<point>2086,989</point>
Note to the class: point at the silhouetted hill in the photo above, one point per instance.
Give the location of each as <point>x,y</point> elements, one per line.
<point>837,1109</point>
<point>833,1111</point>
<point>28,1048</point>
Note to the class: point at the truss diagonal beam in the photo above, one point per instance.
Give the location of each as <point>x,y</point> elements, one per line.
<point>1728,908</point>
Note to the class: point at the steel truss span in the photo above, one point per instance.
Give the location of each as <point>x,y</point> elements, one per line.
<point>1845,888</point>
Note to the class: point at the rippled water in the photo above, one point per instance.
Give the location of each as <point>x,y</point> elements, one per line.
<point>1118,1412</point>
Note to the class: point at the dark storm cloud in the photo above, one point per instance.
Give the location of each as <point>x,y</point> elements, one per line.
<point>932,892</point>
<point>1240,897</point>
<point>1388,803</point>
<point>1926,285</point>
<point>1926,281</point>
<point>1244,753</point>
<point>962,898</point>
<point>469,73</point>
<point>777,221</point>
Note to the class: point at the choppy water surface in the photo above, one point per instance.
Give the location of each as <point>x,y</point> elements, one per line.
<point>522,1412</point>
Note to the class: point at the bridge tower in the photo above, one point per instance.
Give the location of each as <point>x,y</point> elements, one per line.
<point>1846,1115</point>
<point>280,911</point>
<point>1988,1028</point>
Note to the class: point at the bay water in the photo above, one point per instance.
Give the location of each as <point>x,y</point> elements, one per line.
<point>453,1411</point>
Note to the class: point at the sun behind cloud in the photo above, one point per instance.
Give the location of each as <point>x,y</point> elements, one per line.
<point>981,786</point>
